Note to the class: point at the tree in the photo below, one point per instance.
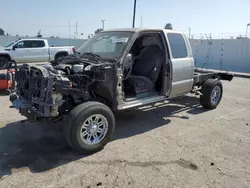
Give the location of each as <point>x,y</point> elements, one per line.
<point>98,30</point>
<point>1,31</point>
<point>168,26</point>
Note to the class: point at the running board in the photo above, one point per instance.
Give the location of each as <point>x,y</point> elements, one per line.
<point>140,102</point>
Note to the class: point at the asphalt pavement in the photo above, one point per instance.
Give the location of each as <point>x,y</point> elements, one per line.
<point>170,144</point>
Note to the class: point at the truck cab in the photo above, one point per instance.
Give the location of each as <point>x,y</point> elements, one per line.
<point>161,66</point>
<point>30,50</point>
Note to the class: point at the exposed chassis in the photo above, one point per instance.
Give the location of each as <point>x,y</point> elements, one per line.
<point>200,76</point>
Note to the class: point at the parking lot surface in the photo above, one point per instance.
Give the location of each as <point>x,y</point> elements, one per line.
<point>169,144</point>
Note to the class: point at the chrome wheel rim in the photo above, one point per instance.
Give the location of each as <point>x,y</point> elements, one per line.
<point>94,129</point>
<point>215,95</point>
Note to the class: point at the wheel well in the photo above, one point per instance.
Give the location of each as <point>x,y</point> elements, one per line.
<point>6,56</point>
<point>104,100</point>
<point>61,53</point>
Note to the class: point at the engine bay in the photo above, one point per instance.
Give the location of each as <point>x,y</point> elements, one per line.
<point>50,90</point>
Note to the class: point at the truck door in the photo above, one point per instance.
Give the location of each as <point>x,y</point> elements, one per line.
<point>30,51</point>
<point>19,52</point>
<point>37,51</point>
<point>182,63</point>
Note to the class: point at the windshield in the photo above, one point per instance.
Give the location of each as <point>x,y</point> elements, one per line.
<point>9,44</point>
<point>107,45</point>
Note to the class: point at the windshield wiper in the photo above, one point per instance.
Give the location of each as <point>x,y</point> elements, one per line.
<point>90,54</point>
<point>110,59</point>
<point>96,57</point>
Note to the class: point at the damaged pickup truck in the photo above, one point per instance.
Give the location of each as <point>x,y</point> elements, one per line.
<point>114,70</point>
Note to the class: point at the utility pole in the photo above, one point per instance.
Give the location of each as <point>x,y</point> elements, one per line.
<point>189,32</point>
<point>69,34</point>
<point>76,30</point>
<point>141,21</point>
<point>134,14</point>
<point>247,29</point>
<point>103,22</point>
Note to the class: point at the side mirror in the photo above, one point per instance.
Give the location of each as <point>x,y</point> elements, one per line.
<point>13,47</point>
<point>127,63</point>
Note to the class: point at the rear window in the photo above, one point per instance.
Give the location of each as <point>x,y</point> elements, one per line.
<point>177,45</point>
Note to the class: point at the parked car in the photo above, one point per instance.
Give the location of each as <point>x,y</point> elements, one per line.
<point>113,71</point>
<point>32,50</point>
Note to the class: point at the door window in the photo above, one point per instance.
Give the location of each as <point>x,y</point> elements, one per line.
<point>38,44</point>
<point>20,44</point>
<point>34,44</point>
<point>30,44</point>
<point>177,45</point>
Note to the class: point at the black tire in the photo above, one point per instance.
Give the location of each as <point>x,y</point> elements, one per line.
<point>7,92</point>
<point>13,97</point>
<point>60,56</point>
<point>3,61</point>
<point>206,98</point>
<point>75,119</point>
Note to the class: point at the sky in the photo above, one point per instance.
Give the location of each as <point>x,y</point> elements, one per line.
<point>27,17</point>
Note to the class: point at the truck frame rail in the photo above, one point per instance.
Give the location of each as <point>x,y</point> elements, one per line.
<point>200,76</point>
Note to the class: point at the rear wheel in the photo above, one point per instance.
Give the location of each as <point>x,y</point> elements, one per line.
<point>89,127</point>
<point>60,56</point>
<point>211,93</point>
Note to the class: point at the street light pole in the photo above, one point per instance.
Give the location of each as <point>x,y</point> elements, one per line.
<point>103,21</point>
<point>141,21</point>
<point>247,29</point>
<point>69,34</point>
<point>189,32</point>
<point>134,14</point>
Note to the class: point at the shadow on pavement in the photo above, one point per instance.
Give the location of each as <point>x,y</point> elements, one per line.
<point>41,147</point>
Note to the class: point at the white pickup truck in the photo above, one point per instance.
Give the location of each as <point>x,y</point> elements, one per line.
<point>32,50</point>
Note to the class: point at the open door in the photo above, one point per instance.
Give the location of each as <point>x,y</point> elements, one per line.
<point>182,64</point>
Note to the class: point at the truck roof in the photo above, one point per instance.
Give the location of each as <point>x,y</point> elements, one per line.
<point>142,29</point>
<point>32,39</point>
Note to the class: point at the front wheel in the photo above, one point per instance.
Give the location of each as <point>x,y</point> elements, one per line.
<point>89,127</point>
<point>3,62</point>
<point>211,93</point>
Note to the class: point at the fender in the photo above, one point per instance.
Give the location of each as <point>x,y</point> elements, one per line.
<point>5,55</point>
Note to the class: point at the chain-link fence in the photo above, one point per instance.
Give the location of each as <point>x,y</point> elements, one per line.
<point>219,35</point>
<point>222,54</point>
<point>221,51</point>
